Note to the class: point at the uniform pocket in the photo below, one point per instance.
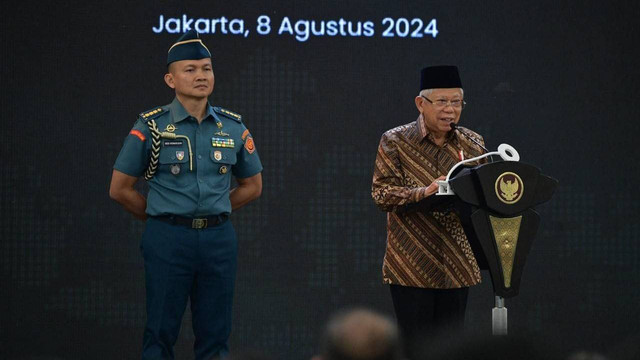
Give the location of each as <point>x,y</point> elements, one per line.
<point>173,155</point>
<point>223,156</point>
<point>174,160</point>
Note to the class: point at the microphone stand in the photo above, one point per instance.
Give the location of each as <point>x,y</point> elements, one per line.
<point>454,127</point>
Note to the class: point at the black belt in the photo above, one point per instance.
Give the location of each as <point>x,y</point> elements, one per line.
<point>194,223</point>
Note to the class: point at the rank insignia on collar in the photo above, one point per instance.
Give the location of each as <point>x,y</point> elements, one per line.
<point>221,133</point>
<point>170,128</point>
<point>179,155</point>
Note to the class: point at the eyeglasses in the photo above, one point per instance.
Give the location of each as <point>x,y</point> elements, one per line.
<point>442,103</point>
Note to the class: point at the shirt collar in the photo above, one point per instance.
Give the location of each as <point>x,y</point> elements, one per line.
<point>422,127</point>
<point>425,133</point>
<point>179,113</point>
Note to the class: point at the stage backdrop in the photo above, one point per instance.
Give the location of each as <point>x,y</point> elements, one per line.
<point>317,83</point>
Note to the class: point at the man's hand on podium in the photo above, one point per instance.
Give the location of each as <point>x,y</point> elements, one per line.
<point>433,187</point>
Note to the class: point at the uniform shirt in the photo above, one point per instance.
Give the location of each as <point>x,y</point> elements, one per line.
<point>218,152</point>
<point>425,248</point>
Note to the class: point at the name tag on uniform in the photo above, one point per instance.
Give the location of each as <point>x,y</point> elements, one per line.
<point>172,143</point>
<point>222,142</point>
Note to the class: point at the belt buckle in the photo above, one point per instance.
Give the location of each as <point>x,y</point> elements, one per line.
<point>199,223</point>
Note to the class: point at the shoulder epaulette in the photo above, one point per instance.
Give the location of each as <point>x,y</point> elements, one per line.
<point>227,113</point>
<point>152,114</point>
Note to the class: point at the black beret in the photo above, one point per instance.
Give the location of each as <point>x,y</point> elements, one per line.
<point>188,47</point>
<point>440,77</point>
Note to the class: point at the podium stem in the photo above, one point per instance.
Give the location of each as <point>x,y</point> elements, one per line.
<point>499,317</point>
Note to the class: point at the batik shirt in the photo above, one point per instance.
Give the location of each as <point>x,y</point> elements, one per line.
<point>426,248</point>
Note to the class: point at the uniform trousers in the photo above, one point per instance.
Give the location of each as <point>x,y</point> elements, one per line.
<point>184,264</point>
<point>425,313</point>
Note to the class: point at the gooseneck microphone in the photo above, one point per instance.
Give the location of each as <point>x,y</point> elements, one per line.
<point>454,127</point>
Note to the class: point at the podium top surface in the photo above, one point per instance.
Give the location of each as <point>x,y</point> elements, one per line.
<point>503,187</point>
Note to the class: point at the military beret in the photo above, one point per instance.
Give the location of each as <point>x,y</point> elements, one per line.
<point>440,77</point>
<point>188,47</point>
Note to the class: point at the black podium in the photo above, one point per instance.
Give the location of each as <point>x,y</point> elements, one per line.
<point>496,202</point>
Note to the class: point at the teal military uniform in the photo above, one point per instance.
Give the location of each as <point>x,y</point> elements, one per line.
<point>200,185</point>
<point>183,262</point>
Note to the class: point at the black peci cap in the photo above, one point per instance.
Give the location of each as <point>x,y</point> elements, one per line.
<point>440,77</point>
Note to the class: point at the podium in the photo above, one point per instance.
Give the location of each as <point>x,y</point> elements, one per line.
<point>496,202</point>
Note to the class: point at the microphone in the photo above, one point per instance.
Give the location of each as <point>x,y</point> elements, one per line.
<point>454,127</point>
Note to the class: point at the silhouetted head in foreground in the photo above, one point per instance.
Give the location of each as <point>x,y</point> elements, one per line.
<point>360,334</point>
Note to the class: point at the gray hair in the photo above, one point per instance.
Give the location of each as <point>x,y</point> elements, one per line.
<point>427,92</point>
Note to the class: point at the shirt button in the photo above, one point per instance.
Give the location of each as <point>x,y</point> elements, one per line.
<point>199,156</point>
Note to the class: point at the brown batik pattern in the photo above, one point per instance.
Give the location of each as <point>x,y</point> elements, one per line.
<point>427,249</point>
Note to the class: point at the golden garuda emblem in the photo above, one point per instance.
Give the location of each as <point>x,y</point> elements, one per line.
<point>509,188</point>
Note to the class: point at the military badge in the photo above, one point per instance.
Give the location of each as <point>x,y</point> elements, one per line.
<point>223,170</point>
<point>249,145</point>
<point>227,112</point>
<point>219,124</point>
<point>175,169</point>
<point>170,128</point>
<point>180,155</point>
<point>217,155</point>
<point>221,133</point>
<point>222,142</point>
<point>245,134</point>
<point>509,188</point>
<point>137,134</point>
<point>152,114</point>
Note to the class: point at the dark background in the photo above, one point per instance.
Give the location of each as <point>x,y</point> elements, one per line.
<point>558,80</point>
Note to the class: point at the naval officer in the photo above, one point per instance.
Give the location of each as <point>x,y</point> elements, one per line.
<point>187,151</point>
